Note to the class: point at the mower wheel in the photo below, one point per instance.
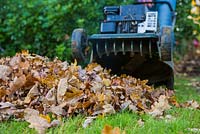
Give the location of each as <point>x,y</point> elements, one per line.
<point>79,45</point>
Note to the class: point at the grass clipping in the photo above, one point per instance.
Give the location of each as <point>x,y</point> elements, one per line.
<point>32,88</point>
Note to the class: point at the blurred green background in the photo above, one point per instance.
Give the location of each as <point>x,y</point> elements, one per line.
<point>44,26</point>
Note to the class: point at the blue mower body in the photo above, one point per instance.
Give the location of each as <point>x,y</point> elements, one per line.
<point>134,39</point>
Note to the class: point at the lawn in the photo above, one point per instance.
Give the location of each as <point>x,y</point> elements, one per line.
<point>179,121</point>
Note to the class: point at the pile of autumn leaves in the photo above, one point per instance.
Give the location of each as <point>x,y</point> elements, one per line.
<point>41,91</point>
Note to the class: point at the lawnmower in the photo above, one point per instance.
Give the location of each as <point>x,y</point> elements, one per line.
<point>134,39</point>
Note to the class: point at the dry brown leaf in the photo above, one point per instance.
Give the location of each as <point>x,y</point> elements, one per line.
<point>4,72</point>
<point>62,88</point>
<point>50,97</point>
<point>72,93</point>
<point>159,107</point>
<point>40,124</point>
<point>110,130</point>
<point>125,104</point>
<point>24,65</point>
<point>32,93</point>
<point>88,121</point>
<point>96,87</point>
<point>133,108</point>
<point>14,62</point>
<point>169,118</point>
<point>7,110</point>
<point>140,122</point>
<point>58,110</point>
<point>3,92</point>
<point>191,104</point>
<point>4,105</point>
<point>73,81</point>
<point>17,83</point>
<point>108,109</point>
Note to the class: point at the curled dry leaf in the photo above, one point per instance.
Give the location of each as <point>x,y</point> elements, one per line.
<point>32,93</point>
<point>4,72</point>
<point>58,110</point>
<point>96,87</point>
<point>15,61</point>
<point>7,110</point>
<point>159,107</point>
<point>125,104</point>
<point>37,121</point>
<point>108,108</point>
<point>62,88</point>
<point>17,83</point>
<point>50,97</point>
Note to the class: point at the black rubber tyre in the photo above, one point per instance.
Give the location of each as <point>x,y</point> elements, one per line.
<point>166,43</point>
<point>79,44</point>
<point>170,83</point>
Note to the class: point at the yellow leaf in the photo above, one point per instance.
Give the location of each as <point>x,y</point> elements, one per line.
<point>46,117</point>
<point>73,92</point>
<point>106,82</point>
<point>25,52</point>
<point>101,97</point>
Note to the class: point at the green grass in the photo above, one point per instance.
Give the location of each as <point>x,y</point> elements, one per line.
<point>182,118</point>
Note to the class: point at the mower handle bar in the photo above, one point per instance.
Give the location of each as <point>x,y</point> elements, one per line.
<point>158,2</point>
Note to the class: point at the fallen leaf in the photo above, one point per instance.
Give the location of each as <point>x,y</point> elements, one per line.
<point>62,88</point>
<point>17,83</point>
<point>194,130</point>
<point>106,82</point>
<point>108,109</point>
<point>159,107</point>
<point>58,110</point>
<point>140,122</point>
<point>5,72</point>
<point>125,104</point>
<point>39,123</point>
<point>110,130</point>
<point>55,123</point>
<point>14,62</point>
<point>96,87</point>
<point>46,117</point>
<point>32,93</point>
<point>50,97</point>
<point>88,121</point>
<point>3,92</point>
<point>6,105</point>
<point>191,104</point>
<point>72,93</point>
<point>169,118</point>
